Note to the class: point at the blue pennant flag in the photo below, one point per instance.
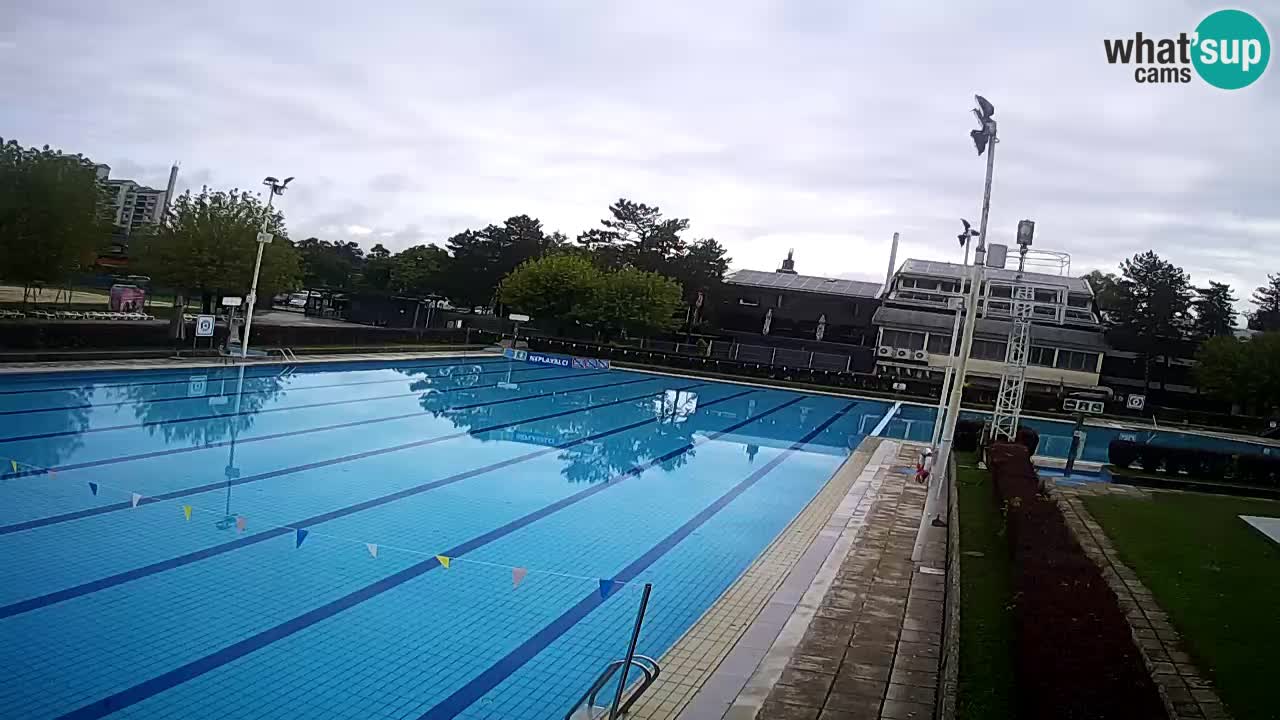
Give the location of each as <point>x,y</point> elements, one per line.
<point>93,488</point>
<point>302,535</point>
<point>606,587</point>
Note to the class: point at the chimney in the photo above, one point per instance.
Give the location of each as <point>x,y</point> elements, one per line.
<point>893,262</point>
<point>168,193</point>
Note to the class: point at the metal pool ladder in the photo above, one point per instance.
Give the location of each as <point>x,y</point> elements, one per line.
<point>586,707</point>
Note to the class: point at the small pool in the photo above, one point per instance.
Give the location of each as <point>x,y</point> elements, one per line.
<point>430,539</point>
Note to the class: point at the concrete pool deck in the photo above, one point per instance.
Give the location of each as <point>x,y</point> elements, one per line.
<point>196,363</point>
<point>834,598</point>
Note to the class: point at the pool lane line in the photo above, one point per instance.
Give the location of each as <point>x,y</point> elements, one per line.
<point>207,663</point>
<point>179,398</point>
<point>274,531</point>
<point>303,406</point>
<point>884,421</point>
<point>232,375</point>
<point>108,374</point>
<point>321,428</point>
<point>495,674</point>
<point>173,494</point>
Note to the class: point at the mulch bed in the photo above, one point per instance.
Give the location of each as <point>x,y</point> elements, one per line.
<point>1074,652</point>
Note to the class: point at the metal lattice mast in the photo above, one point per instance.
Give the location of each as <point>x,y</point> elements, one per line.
<point>1013,381</point>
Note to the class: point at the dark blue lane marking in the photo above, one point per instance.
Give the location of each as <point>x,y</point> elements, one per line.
<point>321,428</point>
<point>120,578</point>
<point>486,681</point>
<point>200,666</point>
<point>233,375</point>
<point>304,406</point>
<point>174,494</point>
<point>384,381</point>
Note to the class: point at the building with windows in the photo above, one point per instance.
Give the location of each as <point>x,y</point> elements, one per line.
<point>132,206</point>
<point>784,304</point>
<point>915,321</point>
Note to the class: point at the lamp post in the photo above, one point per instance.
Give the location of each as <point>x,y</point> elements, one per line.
<point>264,237</point>
<point>984,139</point>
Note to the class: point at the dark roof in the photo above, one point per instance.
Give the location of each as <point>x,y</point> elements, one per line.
<point>1070,338</point>
<point>803,283</point>
<point>956,270</point>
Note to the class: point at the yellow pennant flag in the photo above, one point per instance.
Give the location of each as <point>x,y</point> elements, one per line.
<point>14,463</point>
<point>444,561</point>
<point>186,511</point>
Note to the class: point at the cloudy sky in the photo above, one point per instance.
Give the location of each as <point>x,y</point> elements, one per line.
<point>822,125</point>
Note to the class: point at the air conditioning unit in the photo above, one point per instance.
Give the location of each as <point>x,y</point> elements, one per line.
<point>884,351</point>
<point>921,355</point>
<point>902,354</point>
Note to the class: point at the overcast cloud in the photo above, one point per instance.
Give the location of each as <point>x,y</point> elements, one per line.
<point>820,126</point>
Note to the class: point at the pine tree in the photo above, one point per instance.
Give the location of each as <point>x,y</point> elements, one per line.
<point>1267,317</point>
<point>1215,312</point>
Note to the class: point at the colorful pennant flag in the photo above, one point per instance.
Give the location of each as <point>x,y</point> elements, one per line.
<point>186,512</point>
<point>373,549</point>
<point>517,576</point>
<point>444,561</point>
<point>93,488</point>
<point>302,535</point>
<point>134,499</point>
<point>14,463</point>
<point>240,523</point>
<point>606,587</point>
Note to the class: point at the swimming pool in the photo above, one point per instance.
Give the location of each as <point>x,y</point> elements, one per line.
<point>427,539</point>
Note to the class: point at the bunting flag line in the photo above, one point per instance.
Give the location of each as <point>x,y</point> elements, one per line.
<point>302,535</point>
<point>517,576</point>
<point>373,549</point>
<point>186,512</point>
<point>444,561</point>
<point>606,587</point>
<point>240,523</point>
<point>93,488</point>
<point>134,499</point>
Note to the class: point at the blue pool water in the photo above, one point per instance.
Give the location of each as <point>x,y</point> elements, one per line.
<point>108,608</point>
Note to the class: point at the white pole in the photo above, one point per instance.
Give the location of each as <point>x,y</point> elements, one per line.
<point>971,306</point>
<point>253,288</point>
<point>946,380</point>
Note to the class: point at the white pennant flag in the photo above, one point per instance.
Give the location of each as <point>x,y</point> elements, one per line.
<point>135,499</point>
<point>373,549</point>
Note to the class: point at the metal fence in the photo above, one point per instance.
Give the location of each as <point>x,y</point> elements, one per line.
<point>758,354</point>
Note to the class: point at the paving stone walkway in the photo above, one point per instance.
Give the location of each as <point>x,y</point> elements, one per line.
<point>873,649</point>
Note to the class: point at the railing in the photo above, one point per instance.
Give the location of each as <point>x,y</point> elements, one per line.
<point>758,354</point>
<point>586,707</point>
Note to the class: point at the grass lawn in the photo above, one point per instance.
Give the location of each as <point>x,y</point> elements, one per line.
<point>986,618</point>
<point>1216,576</point>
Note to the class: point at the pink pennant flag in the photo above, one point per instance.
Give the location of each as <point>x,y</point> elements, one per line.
<point>517,576</point>
<point>373,549</point>
<point>135,499</point>
<point>240,523</point>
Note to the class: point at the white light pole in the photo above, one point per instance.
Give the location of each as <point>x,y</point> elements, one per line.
<point>264,237</point>
<point>984,139</point>
<point>957,304</point>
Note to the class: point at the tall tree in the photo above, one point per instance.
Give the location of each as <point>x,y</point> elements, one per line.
<point>636,234</point>
<point>552,290</point>
<point>418,270</point>
<point>330,264</point>
<point>375,277</point>
<point>207,245</point>
<point>1153,313</point>
<point>701,269</point>
<point>1215,312</point>
<point>1245,373</point>
<point>481,258</point>
<point>632,302</point>
<point>1106,290</point>
<point>1266,318</point>
<point>52,219</point>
